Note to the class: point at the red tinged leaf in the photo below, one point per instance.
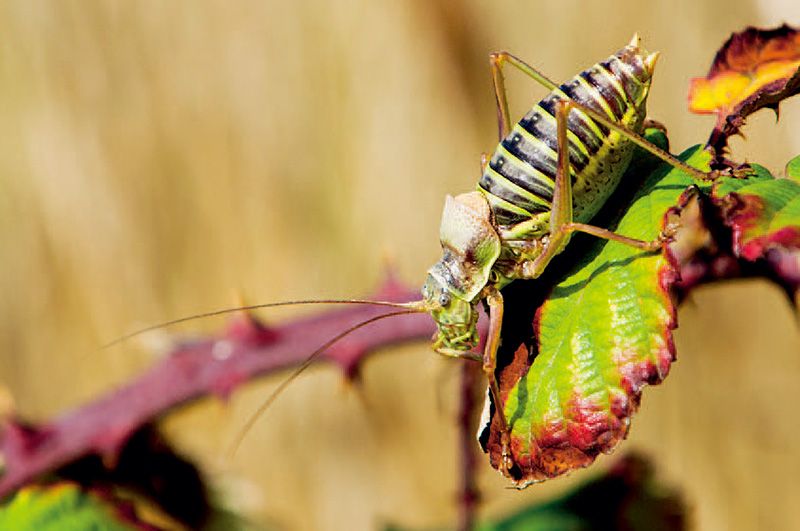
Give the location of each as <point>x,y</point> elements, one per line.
<point>763,214</point>
<point>752,237</point>
<point>598,338</point>
<point>754,69</point>
<point>604,332</point>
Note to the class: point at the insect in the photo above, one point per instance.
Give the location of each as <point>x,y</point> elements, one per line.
<point>550,173</point>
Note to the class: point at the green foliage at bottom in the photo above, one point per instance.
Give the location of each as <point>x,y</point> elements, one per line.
<point>63,506</point>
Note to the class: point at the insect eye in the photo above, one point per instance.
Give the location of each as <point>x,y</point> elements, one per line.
<point>425,291</point>
<point>444,300</point>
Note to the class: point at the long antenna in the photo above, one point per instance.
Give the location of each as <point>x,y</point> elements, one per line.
<point>415,305</point>
<point>303,366</point>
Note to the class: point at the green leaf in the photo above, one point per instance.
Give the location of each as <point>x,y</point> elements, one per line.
<point>763,214</point>
<point>62,506</point>
<point>601,334</point>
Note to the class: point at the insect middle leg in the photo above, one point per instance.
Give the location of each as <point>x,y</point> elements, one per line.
<point>643,143</point>
<point>561,222</point>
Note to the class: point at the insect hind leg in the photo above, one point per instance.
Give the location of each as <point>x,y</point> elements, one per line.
<point>497,60</point>
<point>643,143</point>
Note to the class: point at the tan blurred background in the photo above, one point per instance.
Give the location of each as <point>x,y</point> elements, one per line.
<point>157,158</point>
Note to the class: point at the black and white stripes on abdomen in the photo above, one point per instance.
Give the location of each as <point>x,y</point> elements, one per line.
<point>521,172</point>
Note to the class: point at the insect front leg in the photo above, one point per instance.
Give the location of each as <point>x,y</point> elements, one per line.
<point>497,59</point>
<point>488,361</point>
<point>495,301</point>
<point>561,222</point>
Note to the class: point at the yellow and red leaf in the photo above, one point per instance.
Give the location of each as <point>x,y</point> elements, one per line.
<point>755,68</point>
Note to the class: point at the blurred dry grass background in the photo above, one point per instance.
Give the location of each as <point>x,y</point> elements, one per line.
<point>158,158</point>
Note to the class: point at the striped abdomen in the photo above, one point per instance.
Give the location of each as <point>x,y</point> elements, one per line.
<point>518,181</point>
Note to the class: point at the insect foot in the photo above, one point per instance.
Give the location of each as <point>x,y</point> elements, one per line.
<point>667,235</point>
<point>740,172</point>
<point>507,460</point>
